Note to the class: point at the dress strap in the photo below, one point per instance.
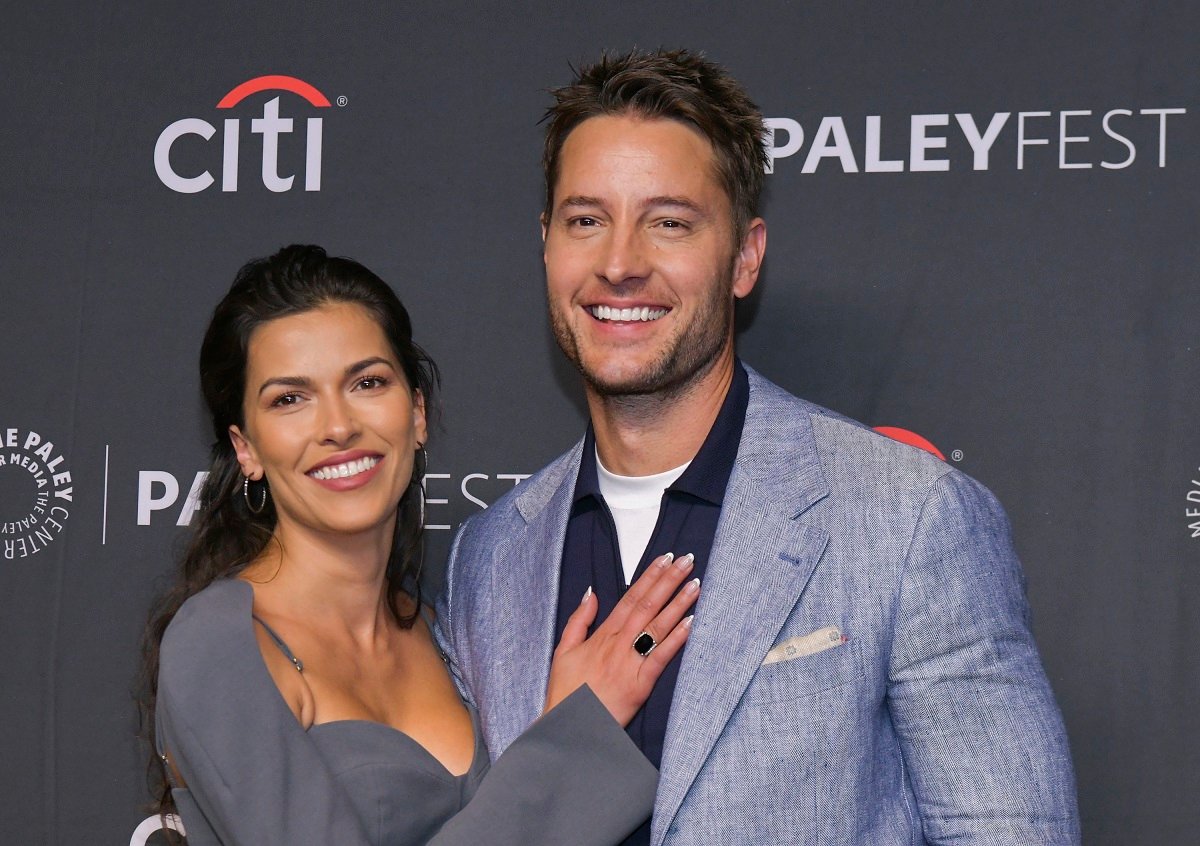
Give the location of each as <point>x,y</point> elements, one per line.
<point>283,647</point>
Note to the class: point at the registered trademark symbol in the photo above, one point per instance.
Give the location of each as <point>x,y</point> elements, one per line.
<point>957,455</point>
<point>343,100</point>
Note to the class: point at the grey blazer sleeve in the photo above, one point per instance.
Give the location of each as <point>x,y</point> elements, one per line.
<point>254,777</point>
<point>252,774</point>
<point>980,731</point>
<point>574,776</point>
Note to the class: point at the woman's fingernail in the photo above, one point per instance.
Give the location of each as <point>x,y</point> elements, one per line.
<point>666,559</point>
<point>587,594</point>
<point>692,587</point>
<point>687,621</point>
<point>685,562</point>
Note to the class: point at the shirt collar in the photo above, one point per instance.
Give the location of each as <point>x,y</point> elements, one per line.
<point>588,482</point>
<point>708,474</point>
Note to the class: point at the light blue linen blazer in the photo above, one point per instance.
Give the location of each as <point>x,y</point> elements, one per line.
<point>926,717</point>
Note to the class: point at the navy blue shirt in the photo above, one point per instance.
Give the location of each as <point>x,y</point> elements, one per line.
<point>687,522</point>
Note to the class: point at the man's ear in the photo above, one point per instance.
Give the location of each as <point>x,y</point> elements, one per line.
<point>246,455</point>
<point>750,258</point>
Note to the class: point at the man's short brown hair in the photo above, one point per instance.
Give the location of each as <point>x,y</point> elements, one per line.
<point>672,84</point>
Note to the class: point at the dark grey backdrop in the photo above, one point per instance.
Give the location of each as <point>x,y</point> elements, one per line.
<point>1037,323</point>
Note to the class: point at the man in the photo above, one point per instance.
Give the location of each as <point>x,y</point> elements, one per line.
<point>860,669</point>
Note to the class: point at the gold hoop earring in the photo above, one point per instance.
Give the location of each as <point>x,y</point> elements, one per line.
<point>262,504</point>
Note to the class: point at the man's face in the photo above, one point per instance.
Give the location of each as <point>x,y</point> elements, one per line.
<point>641,261</point>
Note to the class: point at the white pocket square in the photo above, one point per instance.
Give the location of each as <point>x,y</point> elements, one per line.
<point>809,644</point>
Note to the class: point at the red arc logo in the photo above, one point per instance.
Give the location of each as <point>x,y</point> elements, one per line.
<point>273,82</point>
<point>905,436</point>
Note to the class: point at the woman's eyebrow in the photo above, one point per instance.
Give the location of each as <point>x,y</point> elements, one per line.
<point>288,381</point>
<point>360,366</point>
<point>305,382</point>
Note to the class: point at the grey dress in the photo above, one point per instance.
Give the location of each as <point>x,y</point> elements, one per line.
<point>254,776</point>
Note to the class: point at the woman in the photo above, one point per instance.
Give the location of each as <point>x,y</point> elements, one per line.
<point>300,695</point>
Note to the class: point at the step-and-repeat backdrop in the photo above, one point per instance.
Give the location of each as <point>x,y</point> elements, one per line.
<point>984,225</point>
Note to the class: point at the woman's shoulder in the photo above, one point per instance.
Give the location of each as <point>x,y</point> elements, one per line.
<point>222,602</point>
<point>212,628</point>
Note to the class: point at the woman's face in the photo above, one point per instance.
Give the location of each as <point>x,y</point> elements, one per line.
<point>330,420</point>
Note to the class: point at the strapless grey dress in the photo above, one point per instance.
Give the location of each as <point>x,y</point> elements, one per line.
<point>255,777</point>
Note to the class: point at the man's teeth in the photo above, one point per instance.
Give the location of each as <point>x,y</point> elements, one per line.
<point>341,471</point>
<point>603,312</point>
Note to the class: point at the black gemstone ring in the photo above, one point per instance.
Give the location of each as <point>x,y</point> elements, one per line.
<point>644,644</point>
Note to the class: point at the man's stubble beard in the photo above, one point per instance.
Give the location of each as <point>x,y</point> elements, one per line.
<point>687,358</point>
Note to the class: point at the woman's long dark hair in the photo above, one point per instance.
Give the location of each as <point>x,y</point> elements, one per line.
<point>227,535</point>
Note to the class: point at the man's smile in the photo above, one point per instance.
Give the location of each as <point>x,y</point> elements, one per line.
<point>633,314</point>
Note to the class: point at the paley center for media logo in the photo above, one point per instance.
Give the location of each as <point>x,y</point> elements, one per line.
<point>1193,506</point>
<point>273,125</point>
<point>37,492</point>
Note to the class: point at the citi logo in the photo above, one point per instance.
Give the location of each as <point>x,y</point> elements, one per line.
<point>271,126</point>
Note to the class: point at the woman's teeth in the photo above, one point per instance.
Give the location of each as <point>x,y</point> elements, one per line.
<point>341,471</point>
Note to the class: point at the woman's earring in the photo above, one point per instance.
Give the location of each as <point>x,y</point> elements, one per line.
<point>420,480</point>
<point>262,503</point>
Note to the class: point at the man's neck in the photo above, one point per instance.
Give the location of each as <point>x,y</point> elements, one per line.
<point>643,435</point>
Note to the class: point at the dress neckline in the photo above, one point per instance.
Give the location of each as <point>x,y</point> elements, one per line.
<point>385,730</point>
<point>369,725</point>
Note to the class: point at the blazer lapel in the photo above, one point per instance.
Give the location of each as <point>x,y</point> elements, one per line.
<point>524,587</point>
<point>762,559</point>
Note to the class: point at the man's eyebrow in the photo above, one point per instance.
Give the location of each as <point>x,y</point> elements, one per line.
<point>674,202</point>
<point>578,201</point>
<point>664,201</point>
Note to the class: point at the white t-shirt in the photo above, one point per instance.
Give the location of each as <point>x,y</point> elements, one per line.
<point>634,502</point>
